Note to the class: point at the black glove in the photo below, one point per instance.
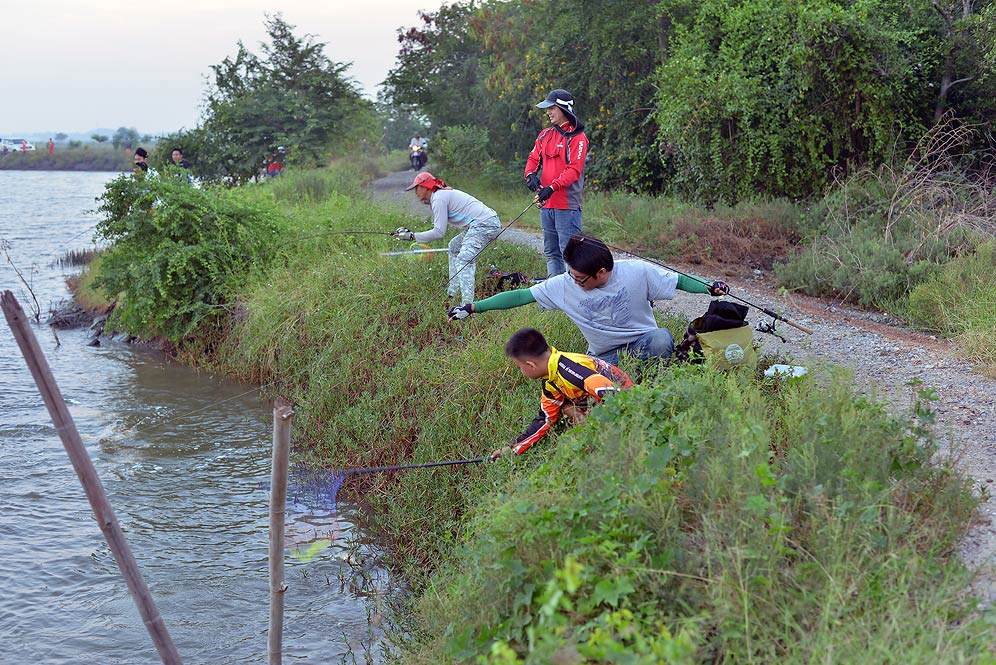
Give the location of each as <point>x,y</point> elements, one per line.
<point>461,312</point>
<point>543,194</point>
<point>717,289</point>
<point>532,182</point>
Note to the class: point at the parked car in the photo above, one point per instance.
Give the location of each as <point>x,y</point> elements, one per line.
<point>16,144</point>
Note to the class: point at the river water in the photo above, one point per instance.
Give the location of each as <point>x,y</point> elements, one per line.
<point>184,457</point>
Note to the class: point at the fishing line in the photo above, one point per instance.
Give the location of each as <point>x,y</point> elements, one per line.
<point>136,430</point>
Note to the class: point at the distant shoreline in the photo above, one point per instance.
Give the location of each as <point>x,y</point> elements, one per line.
<point>66,160</point>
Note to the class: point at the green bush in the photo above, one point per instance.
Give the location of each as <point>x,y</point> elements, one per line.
<point>177,250</point>
<point>703,517</point>
<point>762,97</point>
<point>881,232</point>
<point>462,148</point>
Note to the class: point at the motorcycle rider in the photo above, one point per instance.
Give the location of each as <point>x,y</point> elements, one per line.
<point>418,157</point>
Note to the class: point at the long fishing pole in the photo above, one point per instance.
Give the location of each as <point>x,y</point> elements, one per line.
<point>339,233</point>
<point>775,315</point>
<point>474,258</point>
<point>400,467</point>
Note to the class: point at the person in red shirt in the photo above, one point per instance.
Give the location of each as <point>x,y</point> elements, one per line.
<point>51,146</point>
<point>555,171</point>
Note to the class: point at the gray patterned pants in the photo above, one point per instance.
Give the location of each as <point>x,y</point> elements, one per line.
<point>464,248</point>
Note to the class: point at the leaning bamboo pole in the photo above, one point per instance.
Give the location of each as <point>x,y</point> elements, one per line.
<point>282,414</point>
<point>87,473</point>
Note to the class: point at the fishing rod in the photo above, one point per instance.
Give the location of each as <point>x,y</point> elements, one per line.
<point>774,315</point>
<point>401,467</point>
<point>474,258</point>
<point>339,233</point>
<point>415,251</point>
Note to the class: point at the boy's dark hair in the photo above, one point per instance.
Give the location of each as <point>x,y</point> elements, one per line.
<point>526,343</point>
<point>587,255</point>
<point>141,152</point>
<point>177,149</point>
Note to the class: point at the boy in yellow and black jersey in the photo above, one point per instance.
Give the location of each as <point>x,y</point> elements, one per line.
<point>571,381</point>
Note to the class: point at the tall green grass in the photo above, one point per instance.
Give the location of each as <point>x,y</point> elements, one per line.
<point>704,517</point>
<point>961,302</point>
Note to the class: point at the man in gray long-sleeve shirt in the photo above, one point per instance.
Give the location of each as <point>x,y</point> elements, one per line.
<point>451,207</point>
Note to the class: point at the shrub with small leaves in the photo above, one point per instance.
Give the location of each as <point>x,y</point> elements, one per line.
<point>175,251</point>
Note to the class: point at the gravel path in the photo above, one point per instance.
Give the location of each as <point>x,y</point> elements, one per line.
<point>885,358</point>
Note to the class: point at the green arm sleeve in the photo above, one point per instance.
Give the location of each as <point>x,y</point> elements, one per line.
<point>693,284</point>
<point>505,300</point>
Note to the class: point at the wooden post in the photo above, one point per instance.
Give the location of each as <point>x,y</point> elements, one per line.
<point>282,414</point>
<point>87,473</point>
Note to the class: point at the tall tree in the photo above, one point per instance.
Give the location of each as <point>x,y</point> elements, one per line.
<point>291,95</point>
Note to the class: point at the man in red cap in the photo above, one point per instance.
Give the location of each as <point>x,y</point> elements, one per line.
<point>555,171</point>
<point>451,207</point>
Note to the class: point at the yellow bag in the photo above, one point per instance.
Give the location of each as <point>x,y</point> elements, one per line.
<point>733,347</point>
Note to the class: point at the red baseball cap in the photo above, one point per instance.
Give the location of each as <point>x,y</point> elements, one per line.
<point>425,179</point>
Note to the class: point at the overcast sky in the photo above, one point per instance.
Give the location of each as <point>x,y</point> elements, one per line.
<point>75,65</point>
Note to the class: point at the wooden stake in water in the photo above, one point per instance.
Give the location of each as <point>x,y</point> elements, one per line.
<point>282,414</point>
<point>92,486</point>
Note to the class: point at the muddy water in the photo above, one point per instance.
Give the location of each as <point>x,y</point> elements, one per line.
<point>184,458</point>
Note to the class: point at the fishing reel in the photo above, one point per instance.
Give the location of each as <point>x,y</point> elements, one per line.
<point>769,328</point>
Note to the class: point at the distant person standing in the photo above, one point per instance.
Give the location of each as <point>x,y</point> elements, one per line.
<point>51,147</point>
<point>24,145</point>
<point>140,157</point>
<point>275,163</point>
<point>555,171</point>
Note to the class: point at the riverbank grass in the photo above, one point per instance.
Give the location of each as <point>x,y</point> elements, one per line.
<point>704,517</point>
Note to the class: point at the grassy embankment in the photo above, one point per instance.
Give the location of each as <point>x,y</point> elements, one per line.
<point>700,517</point>
<point>67,159</point>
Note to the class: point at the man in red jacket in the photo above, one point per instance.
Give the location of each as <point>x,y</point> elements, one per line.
<point>555,171</point>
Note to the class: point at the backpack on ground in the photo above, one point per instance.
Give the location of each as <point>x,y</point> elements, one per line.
<point>721,336</point>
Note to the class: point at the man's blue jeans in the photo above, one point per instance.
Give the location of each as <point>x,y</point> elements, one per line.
<point>558,227</point>
<point>657,343</point>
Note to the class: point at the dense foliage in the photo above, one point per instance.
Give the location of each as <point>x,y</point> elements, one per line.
<point>710,100</point>
<point>291,95</point>
<point>488,64</point>
<point>176,251</point>
<point>709,518</point>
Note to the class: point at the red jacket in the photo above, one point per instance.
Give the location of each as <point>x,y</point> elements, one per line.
<point>559,155</point>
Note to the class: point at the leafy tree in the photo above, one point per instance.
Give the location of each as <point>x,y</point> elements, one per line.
<point>291,94</point>
<point>99,138</point>
<point>125,136</point>
<point>61,137</point>
<point>487,64</point>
